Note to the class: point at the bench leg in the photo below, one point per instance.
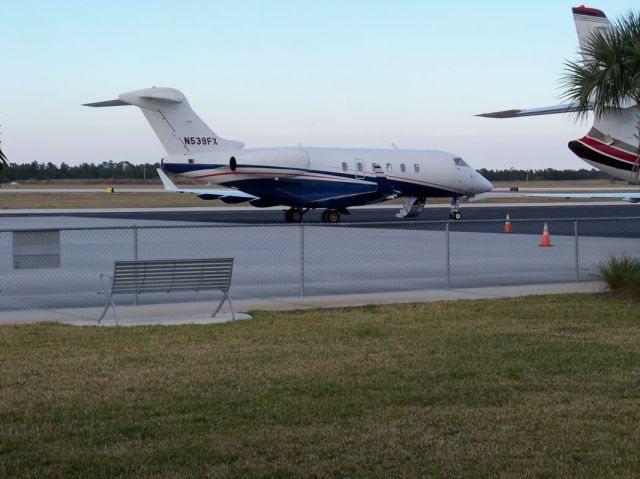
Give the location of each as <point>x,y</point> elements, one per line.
<point>228,298</point>
<point>233,315</point>
<point>106,308</point>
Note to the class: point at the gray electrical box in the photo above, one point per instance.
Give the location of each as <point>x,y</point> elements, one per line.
<point>36,249</point>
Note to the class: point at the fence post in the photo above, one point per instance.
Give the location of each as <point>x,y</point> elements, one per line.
<point>302,259</point>
<point>135,257</point>
<point>448,256</point>
<point>575,231</point>
<point>135,243</point>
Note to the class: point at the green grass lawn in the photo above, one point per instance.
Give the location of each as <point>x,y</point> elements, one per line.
<point>544,386</point>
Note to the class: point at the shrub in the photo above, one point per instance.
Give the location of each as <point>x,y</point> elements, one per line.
<point>622,275</point>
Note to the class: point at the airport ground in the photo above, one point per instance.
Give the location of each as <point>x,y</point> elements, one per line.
<point>61,195</point>
<point>381,213</point>
<point>276,260</point>
<point>540,386</point>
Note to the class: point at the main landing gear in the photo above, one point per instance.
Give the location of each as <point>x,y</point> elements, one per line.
<point>454,213</point>
<point>294,215</point>
<point>330,216</point>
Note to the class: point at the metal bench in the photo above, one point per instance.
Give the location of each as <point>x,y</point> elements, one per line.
<point>167,276</point>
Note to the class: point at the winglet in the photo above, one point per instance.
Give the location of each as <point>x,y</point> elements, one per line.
<point>168,184</point>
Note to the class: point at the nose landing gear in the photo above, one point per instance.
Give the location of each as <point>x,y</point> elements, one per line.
<point>454,213</point>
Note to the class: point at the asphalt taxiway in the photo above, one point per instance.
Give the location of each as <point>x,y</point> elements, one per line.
<point>275,259</point>
<point>380,213</point>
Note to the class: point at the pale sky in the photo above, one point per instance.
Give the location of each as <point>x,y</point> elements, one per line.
<point>274,73</point>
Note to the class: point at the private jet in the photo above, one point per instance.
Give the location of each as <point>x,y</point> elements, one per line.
<point>300,178</point>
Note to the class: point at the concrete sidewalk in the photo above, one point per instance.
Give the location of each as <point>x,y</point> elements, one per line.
<point>199,312</point>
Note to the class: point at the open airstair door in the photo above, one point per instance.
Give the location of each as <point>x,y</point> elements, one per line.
<point>411,208</point>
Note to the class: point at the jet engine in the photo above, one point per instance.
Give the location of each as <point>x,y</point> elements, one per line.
<point>270,161</point>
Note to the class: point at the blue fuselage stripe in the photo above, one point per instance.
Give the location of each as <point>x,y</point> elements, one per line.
<point>307,190</point>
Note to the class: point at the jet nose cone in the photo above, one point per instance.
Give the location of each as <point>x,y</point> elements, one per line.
<point>482,184</point>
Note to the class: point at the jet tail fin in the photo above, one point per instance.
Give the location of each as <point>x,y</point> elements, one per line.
<point>175,124</point>
<point>588,20</point>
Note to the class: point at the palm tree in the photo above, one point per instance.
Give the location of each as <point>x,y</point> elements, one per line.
<point>607,76</point>
<point>3,158</point>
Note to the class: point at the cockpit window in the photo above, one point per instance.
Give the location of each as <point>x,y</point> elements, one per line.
<point>459,162</point>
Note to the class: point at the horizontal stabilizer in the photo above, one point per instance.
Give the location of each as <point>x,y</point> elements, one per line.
<point>205,193</point>
<point>107,103</point>
<point>162,95</point>
<point>547,110</point>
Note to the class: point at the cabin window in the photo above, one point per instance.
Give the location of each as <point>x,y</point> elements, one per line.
<point>416,168</point>
<point>389,168</point>
<point>360,167</point>
<point>191,161</point>
<point>459,162</point>
<point>403,168</point>
<point>373,167</point>
<point>344,166</point>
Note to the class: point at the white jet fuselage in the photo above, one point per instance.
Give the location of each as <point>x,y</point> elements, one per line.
<point>333,177</point>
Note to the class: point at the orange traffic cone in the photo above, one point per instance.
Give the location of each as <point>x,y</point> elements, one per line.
<point>546,239</point>
<point>507,225</point>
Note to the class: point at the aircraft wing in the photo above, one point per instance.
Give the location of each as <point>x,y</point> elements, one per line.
<point>545,110</point>
<point>206,193</point>
<point>630,197</point>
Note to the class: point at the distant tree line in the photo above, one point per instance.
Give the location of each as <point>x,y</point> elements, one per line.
<point>110,170</point>
<point>85,171</point>
<point>542,175</point>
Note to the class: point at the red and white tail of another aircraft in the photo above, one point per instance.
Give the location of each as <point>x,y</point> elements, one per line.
<point>610,145</point>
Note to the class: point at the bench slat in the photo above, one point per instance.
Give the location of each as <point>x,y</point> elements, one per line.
<point>178,274</point>
<point>172,275</point>
<point>170,286</point>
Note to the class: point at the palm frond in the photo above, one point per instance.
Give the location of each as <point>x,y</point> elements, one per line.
<point>607,75</point>
<point>3,159</point>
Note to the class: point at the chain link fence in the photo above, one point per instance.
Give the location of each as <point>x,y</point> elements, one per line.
<point>52,268</point>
